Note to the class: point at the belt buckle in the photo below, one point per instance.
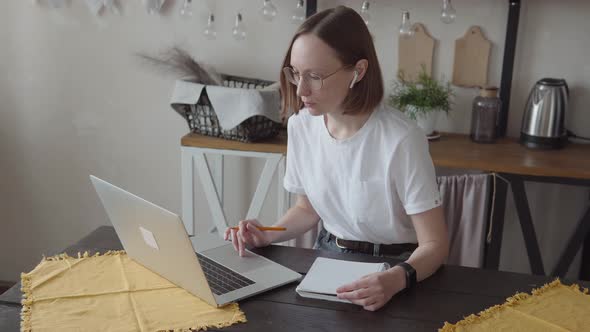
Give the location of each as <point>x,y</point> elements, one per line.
<point>376,249</point>
<point>338,244</point>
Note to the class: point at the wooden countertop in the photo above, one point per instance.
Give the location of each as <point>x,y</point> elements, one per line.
<point>277,144</point>
<point>508,156</point>
<point>457,151</point>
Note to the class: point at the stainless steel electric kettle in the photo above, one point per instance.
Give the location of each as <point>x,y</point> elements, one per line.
<point>543,121</point>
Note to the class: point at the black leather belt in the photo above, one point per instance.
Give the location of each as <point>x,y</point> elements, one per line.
<point>369,248</point>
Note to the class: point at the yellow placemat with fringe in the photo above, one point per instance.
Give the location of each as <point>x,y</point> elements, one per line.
<point>111,292</point>
<point>553,307</point>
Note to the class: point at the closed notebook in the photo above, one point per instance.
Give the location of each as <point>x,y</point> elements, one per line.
<point>326,275</point>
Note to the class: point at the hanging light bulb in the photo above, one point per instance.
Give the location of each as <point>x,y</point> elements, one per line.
<point>112,6</point>
<point>448,13</point>
<point>268,10</point>
<point>365,12</point>
<point>239,31</point>
<point>153,6</point>
<point>405,29</point>
<point>210,32</point>
<point>298,14</point>
<point>186,11</point>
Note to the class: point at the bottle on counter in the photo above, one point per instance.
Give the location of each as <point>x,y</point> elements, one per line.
<point>484,118</point>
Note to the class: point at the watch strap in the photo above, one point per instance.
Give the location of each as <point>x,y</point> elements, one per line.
<point>410,274</point>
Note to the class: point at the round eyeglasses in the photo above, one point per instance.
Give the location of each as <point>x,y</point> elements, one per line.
<point>313,80</point>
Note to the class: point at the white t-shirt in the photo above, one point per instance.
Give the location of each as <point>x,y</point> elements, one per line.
<point>363,187</point>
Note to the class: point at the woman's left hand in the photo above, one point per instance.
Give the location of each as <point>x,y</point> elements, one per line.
<point>374,290</point>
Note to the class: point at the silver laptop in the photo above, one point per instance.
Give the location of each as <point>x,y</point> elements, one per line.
<point>204,265</point>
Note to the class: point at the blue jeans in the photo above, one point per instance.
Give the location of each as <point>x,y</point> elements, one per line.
<point>324,242</point>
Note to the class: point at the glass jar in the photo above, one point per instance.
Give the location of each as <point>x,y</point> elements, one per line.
<point>484,118</point>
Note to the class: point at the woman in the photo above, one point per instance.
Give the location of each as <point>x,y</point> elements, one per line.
<point>357,165</point>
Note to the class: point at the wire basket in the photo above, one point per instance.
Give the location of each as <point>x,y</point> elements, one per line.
<point>202,119</point>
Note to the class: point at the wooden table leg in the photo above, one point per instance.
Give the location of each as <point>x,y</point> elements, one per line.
<point>188,194</point>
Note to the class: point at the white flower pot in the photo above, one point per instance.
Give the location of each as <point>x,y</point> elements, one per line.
<point>426,121</point>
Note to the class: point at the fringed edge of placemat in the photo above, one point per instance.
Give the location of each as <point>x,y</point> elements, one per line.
<point>510,302</point>
<point>27,301</point>
<point>25,314</point>
<point>239,317</point>
<point>86,254</point>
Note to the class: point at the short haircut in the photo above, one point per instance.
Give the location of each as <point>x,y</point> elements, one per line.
<point>344,30</point>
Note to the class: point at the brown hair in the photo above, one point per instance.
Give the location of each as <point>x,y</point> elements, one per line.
<point>343,30</point>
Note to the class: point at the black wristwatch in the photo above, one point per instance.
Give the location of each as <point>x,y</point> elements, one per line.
<point>410,274</point>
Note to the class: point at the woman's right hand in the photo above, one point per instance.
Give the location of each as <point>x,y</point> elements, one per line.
<point>247,236</point>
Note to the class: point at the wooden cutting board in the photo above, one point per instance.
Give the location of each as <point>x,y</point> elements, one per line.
<point>472,53</point>
<point>415,51</point>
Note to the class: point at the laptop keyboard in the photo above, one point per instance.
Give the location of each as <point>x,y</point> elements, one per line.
<point>221,279</point>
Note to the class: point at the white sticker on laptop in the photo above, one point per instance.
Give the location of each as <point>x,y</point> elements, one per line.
<point>149,238</point>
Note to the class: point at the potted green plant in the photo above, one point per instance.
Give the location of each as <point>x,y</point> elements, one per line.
<point>422,99</point>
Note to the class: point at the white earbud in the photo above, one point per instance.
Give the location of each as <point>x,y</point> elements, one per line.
<point>356,75</point>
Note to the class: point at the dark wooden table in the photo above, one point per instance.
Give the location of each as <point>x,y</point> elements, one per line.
<point>449,295</point>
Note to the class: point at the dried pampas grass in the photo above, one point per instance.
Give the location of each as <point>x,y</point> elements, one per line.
<point>178,61</point>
